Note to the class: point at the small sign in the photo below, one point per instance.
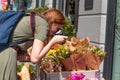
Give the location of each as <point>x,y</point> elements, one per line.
<point>88,4</point>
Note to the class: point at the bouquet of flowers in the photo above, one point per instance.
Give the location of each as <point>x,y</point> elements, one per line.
<point>51,62</point>
<point>75,55</point>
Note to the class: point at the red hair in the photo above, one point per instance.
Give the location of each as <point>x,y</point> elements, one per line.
<point>53,15</point>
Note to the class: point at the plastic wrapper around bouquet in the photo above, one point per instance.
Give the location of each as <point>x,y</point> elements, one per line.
<point>92,61</point>
<point>75,62</point>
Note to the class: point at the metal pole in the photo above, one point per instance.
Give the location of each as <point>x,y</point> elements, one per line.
<point>37,71</point>
<point>76,13</point>
<point>54,3</point>
<point>67,8</point>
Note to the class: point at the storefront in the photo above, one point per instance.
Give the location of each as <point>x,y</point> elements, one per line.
<point>116,55</point>
<point>79,15</point>
<point>111,63</point>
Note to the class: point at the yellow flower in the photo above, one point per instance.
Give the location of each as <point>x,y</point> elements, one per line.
<point>50,52</point>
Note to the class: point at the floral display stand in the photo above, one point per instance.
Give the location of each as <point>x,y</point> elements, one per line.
<point>75,60</point>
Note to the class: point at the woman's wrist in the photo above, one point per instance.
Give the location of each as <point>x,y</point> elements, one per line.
<point>51,43</point>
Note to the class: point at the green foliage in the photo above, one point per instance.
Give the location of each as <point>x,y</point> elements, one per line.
<point>32,69</point>
<point>19,67</point>
<point>38,10</point>
<point>94,49</point>
<point>69,28</point>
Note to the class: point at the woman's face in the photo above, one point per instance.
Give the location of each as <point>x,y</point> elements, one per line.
<point>55,27</point>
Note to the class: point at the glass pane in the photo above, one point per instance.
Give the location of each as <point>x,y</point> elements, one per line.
<point>20,5</point>
<point>116,65</point>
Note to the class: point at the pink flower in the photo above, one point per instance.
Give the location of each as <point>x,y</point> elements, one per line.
<point>76,76</point>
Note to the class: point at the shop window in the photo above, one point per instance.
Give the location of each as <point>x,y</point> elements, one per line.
<point>72,10</point>
<point>21,5</point>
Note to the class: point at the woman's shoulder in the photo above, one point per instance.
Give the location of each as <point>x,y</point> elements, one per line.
<point>41,21</point>
<point>39,18</point>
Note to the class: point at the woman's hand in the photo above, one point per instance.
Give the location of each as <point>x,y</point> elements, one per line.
<point>59,39</point>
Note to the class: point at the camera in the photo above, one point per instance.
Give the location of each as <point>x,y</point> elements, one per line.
<point>60,32</point>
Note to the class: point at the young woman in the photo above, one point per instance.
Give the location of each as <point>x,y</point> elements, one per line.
<point>47,25</point>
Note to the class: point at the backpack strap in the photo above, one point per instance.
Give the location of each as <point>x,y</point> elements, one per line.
<point>32,22</point>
